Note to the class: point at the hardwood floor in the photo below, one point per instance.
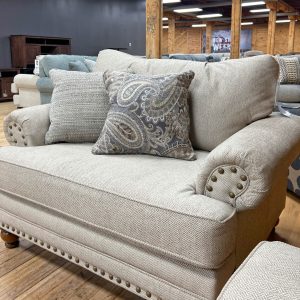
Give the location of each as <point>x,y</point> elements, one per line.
<point>5,109</point>
<point>29,272</point>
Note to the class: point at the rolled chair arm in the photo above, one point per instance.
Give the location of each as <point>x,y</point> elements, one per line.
<point>240,171</point>
<point>25,81</point>
<point>27,126</point>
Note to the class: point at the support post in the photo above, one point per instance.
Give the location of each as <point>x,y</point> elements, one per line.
<point>171,33</point>
<point>209,28</point>
<point>154,12</point>
<point>271,27</point>
<point>236,14</point>
<point>292,27</point>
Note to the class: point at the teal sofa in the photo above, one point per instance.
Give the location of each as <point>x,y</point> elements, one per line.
<point>48,62</point>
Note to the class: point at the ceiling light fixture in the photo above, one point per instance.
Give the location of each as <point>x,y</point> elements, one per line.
<point>259,10</point>
<point>165,27</point>
<point>171,1</point>
<point>199,25</point>
<point>246,23</point>
<point>187,10</point>
<point>165,19</point>
<point>245,4</point>
<point>283,21</point>
<point>209,16</point>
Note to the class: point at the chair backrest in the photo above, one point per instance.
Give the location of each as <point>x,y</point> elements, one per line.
<point>225,96</point>
<point>60,61</point>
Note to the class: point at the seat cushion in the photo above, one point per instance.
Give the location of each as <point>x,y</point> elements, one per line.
<point>271,271</point>
<point>288,93</point>
<point>142,200</point>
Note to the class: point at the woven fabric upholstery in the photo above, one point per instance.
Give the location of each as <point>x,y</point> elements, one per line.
<point>145,200</point>
<point>91,64</point>
<point>289,69</point>
<point>271,271</point>
<point>79,66</point>
<point>261,149</point>
<point>148,115</point>
<point>34,123</point>
<point>288,93</point>
<point>169,279</point>
<point>225,96</point>
<point>79,107</point>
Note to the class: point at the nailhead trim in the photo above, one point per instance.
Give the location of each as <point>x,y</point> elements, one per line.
<point>219,176</point>
<point>125,284</point>
<point>19,137</point>
<point>221,171</point>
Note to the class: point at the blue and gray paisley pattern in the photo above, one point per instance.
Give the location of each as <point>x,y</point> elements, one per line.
<point>148,115</point>
<point>294,177</point>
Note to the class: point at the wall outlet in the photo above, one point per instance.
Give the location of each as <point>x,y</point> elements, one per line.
<point>129,44</point>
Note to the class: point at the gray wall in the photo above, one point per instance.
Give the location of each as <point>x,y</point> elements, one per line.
<point>92,24</point>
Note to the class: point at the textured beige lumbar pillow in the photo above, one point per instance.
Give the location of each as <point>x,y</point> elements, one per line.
<point>79,106</point>
<point>289,69</point>
<point>148,115</point>
<point>225,96</point>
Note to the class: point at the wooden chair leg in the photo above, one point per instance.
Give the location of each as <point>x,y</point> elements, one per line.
<point>274,228</point>
<point>11,240</point>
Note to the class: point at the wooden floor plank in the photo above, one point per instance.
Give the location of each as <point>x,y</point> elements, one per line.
<point>31,273</point>
<point>44,288</point>
<point>90,288</point>
<point>5,109</point>
<point>66,288</point>
<point>288,229</point>
<point>9,263</point>
<point>6,254</point>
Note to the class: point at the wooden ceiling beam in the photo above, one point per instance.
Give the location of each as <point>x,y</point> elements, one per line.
<point>272,5</point>
<point>294,17</point>
<point>209,30</point>
<point>236,16</point>
<point>285,7</point>
<point>228,19</point>
<point>154,13</point>
<point>280,5</point>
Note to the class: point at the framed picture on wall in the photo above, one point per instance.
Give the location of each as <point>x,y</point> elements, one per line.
<point>221,41</point>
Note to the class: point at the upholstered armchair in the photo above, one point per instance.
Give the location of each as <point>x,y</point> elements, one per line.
<point>161,228</point>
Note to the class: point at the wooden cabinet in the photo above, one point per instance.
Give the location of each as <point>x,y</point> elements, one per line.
<point>25,48</point>
<point>6,79</point>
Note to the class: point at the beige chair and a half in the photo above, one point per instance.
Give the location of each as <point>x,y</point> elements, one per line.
<point>161,228</point>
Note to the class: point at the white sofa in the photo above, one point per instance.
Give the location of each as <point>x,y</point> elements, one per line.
<point>25,90</point>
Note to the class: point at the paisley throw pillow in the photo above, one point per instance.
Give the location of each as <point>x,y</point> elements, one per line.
<point>148,115</point>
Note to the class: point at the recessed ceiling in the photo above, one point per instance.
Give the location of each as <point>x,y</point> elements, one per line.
<point>223,7</point>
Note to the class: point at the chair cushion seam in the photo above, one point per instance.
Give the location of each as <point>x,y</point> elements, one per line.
<point>125,198</point>
<point>163,251</point>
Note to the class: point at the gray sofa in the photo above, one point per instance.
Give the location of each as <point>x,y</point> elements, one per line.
<point>158,227</point>
<point>289,92</point>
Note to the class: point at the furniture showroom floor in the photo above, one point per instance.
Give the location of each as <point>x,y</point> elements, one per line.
<point>29,272</point>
